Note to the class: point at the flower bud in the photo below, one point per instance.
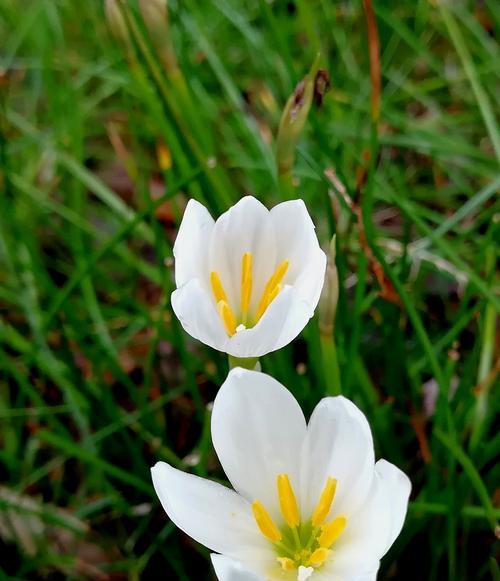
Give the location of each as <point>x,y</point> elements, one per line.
<point>116,20</point>
<point>154,12</point>
<point>155,16</point>
<point>312,87</point>
<point>330,294</point>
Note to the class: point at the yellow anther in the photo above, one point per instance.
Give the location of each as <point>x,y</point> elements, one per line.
<point>246,283</point>
<point>227,317</point>
<point>286,563</point>
<point>272,288</point>
<point>288,502</point>
<point>265,522</point>
<point>318,557</point>
<point>275,292</point>
<point>325,502</point>
<point>217,288</point>
<point>331,532</point>
<point>279,274</point>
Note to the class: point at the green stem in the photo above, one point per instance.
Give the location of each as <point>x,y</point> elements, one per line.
<point>213,175</point>
<point>285,180</point>
<point>330,364</point>
<point>246,362</point>
<point>485,362</point>
<point>482,98</point>
<point>472,474</point>
<point>433,508</point>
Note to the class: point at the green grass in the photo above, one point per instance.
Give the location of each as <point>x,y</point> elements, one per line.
<point>97,378</point>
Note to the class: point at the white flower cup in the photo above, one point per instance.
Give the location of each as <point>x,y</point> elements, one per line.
<point>248,283</point>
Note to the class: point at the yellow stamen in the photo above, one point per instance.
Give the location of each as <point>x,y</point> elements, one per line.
<point>265,522</point>
<point>286,563</point>
<point>272,288</point>
<point>227,317</point>
<point>246,283</point>
<point>217,288</point>
<point>325,502</point>
<point>318,557</point>
<point>288,502</point>
<point>275,292</point>
<point>331,532</point>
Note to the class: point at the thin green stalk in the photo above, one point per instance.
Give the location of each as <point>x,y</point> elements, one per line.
<point>446,248</point>
<point>213,174</point>
<point>124,231</point>
<point>367,213</point>
<point>481,96</point>
<point>488,339</point>
<point>472,474</point>
<point>331,369</point>
<point>245,362</point>
<point>74,450</point>
<point>418,507</point>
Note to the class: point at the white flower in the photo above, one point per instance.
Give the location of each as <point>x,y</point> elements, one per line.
<point>247,283</point>
<point>309,501</point>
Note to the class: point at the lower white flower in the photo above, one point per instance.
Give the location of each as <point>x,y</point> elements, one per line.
<point>309,501</point>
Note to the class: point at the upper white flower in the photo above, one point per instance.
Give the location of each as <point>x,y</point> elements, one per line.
<point>309,500</point>
<point>247,283</point>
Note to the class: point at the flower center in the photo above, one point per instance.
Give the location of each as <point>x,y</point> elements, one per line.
<point>271,291</point>
<point>301,546</point>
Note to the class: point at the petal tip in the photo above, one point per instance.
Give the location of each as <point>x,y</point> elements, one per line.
<point>159,469</point>
<point>156,466</point>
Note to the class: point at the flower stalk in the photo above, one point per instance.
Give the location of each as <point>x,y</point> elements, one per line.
<point>485,378</point>
<point>118,27</point>
<point>251,363</point>
<point>327,312</point>
<point>172,90</point>
<point>155,16</point>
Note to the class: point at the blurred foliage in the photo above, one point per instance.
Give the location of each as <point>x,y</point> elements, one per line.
<point>108,127</point>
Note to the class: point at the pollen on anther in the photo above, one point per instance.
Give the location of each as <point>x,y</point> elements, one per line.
<point>265,522</point>
<point>217,287</point>
<point>246,282</point>
<point>286,563</point>
<point>318,557</point>
<point>288,502</point>
<point>272,288</point>
<point>325,502</point>
<point>331,531</point>
<point>227,317</point>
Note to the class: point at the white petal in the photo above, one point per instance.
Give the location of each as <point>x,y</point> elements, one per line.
<point>230,570</point>
<point>192,243</point>
<point>196,311</point>
<point>257,431</point>
<point>297,242</point>
<point>339,444</point>
<point>371,576</point>
<point>210,513</point>
<point>370,533</point>
<point>330,572</point>
<point>282,321</point>
<point>245,227</point>
<point>398,487</point>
